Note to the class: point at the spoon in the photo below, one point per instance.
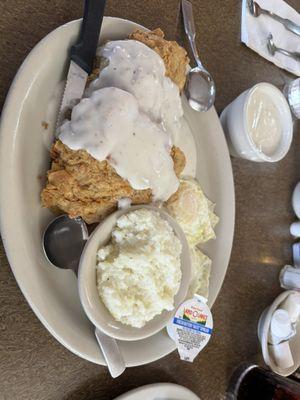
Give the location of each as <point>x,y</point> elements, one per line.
<point>256,11</point>
<point>200,88</point>
<point>273,49</point>
<point>63,241</point>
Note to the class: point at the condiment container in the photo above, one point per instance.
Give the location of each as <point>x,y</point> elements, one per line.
<point>258,124</point>
<point>191,327</point>
<point>280,326</point>
<point>281,354</point>
<point>289,277</point>
<point>279,333</point>
<point>296,200</point>
<point>295,229</point>
<point>292,306</point>
<point>296,254</point>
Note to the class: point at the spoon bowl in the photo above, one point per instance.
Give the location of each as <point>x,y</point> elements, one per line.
<point>63,241</point>
<point>272,48</point>
<point>200,89</point>
<point>271,45</point>
<point>254,8</point>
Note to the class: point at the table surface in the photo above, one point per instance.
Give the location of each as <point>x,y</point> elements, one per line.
<point>33,365</point>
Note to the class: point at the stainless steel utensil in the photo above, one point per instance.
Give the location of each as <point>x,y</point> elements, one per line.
<point>256,11</point>
<point>274,49</point>
<point>64,238</point>
<point>63,242</point>
<point>82,55</point>
<point>200,88</point>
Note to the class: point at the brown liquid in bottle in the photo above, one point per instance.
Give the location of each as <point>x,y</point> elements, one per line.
<point>259,384</point>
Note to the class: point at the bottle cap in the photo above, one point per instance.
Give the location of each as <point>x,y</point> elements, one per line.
<point>290,277</point>
<point>295,229</point>
<point>281,326</point>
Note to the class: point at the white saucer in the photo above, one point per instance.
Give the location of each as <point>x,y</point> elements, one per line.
<point>159,391</point>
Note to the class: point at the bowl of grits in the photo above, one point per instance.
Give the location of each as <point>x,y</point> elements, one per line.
<point>134,272</point>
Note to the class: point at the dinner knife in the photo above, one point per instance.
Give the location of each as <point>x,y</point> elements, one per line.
<point>82,55</point>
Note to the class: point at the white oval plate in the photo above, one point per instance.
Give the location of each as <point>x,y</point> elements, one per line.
<point>24,158</point>
<point>159,391</point>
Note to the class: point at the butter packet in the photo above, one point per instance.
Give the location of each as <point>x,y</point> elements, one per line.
<point>191,327</point>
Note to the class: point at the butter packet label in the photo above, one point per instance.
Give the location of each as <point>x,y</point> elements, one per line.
<point>191,327</point>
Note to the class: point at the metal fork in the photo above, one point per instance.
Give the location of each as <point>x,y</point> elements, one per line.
<point>256,11</point>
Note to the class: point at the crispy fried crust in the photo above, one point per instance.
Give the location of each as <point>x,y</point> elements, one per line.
<point>174,56</point>
<point>80,185</point>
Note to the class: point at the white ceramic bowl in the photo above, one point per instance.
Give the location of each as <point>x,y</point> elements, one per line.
<point>91,302</point>
<point>24,157</point>
<point>234,121</point>
<point>157,391</point>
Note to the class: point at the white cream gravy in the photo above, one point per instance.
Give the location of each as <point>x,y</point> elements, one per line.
<point>131,117</point>
<point>263,121</point>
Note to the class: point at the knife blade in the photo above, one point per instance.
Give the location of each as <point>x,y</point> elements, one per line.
<point>74,88</point>
<point>82,56</point>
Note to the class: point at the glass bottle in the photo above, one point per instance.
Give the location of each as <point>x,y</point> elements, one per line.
<point>251,382</point>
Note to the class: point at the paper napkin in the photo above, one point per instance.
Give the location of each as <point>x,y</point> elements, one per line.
<point>255,31</point>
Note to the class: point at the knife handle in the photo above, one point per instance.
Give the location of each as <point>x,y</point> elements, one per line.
<point>83,52</point>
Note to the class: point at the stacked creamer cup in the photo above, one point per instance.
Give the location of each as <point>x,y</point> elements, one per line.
<point>290,274</point>
<point>279,326</point>
<point>279,333</point>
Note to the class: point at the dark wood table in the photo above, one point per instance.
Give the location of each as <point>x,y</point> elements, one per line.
<point>33,365</point>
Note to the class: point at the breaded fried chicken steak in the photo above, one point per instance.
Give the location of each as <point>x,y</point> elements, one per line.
<point>80,185</point>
